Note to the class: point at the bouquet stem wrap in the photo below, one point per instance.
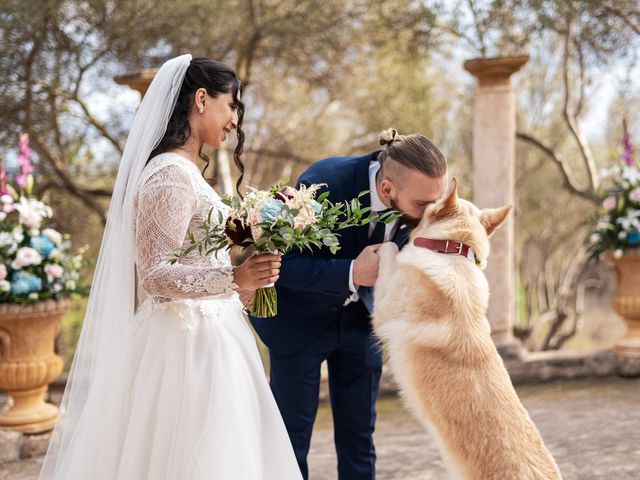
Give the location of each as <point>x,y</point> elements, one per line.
<point>265,302</point>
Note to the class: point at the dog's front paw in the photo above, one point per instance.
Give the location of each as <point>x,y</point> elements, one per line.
<point>388,249</point>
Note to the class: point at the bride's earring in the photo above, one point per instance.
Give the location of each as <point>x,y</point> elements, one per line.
<point>201,109</point>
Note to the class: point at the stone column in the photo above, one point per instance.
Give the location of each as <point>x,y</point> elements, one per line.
<point>494,137</point>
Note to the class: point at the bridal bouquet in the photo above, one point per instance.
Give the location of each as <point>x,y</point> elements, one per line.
<point>278,220</point>
<point>617,224</point>
<point>36,263</point>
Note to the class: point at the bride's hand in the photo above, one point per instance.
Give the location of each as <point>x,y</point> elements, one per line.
<point>257,271</point>
<point>246,297</point>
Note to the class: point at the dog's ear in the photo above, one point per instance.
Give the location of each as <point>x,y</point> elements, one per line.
<point>447,206</point>
<point>492,218</point>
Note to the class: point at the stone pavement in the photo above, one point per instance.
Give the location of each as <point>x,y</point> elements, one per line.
<point>592,427</point>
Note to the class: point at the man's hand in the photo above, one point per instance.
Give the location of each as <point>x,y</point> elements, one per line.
<point>365,267</point>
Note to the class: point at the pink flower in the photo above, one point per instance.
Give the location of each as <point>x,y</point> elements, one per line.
<point>26,256</point>
<point>53,235</point>
<point>627,147</point>
<point>54,270</point>
<point>26,168</point>
<point>3,271</point>
<point>634,196</point>
<point>610,203</point>
<point>3,180</point>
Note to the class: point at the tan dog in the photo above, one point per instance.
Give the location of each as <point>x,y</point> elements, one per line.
<point>430,311</point>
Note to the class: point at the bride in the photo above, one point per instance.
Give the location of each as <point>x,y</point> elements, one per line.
<point>166,381</point>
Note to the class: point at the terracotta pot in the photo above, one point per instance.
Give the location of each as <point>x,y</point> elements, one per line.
<point>28,363</point>
<point>627,301</point>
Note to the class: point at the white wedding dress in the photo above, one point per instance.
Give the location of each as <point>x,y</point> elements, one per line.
<point>200,406</point>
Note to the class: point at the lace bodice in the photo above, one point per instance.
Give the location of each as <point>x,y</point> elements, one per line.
<point>172,199</point>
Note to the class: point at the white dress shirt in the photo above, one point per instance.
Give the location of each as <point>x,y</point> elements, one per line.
<point>376,206</point>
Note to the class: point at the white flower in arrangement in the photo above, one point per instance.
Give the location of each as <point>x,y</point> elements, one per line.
<point>605,226</point>
<point>627,222</point>
<point>26,256</point>
<point>6,239</point>
<point>617,253</point>
<point>605,173</point>
<point>622,235</point>
<point>631,175</point>
<point>76,263</point>
<point>53,270</point>
<point>18,234</point>
<point>36,263</point>
<point>253,217</point>
<point>32,212</point>
<point>53,235</point>
<point>594,238</point>
<point>304,218</point>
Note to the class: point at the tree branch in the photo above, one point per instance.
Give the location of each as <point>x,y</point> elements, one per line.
<point>95,192</point>
<point>583,146</point>
<point>97,124</point>
<point>101,127</point>
<point>280,154</point>
<point>58,167</point>
<point>622,16</point>
<point>564,168</point>
<point>480,28</point>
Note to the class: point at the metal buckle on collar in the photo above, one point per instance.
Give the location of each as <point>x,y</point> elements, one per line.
<point>459,251</point>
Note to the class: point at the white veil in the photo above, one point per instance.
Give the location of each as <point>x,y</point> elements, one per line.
<point>87,439</point>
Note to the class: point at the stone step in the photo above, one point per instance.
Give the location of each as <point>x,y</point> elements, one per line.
<point>10,446</point>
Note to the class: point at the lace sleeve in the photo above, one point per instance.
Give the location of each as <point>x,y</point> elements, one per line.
<point>166,203</point>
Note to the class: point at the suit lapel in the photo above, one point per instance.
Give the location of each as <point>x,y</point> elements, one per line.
<point>401,236</point>
<point>362,183</point>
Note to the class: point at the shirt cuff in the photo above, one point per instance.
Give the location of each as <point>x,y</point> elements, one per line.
<point>354,297</point>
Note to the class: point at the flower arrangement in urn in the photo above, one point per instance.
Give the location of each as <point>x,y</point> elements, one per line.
<point>617,225</point>
<point>38,272</point>
<point>617,236</point>
<point>36,263</point>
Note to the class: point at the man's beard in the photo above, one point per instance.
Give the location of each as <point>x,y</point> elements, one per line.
<point>409,221</point>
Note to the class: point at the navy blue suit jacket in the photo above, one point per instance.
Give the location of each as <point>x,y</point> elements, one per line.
<point>312,288</point>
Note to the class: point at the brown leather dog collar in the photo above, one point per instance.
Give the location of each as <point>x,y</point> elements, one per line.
<point>446,246</point>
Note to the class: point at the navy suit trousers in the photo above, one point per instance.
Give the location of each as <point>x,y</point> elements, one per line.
<point>354,362</point>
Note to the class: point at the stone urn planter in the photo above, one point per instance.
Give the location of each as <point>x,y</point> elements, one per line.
<point>28,363</point>
<point>627,304</point>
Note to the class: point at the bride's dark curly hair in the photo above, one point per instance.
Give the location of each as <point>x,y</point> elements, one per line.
<point>217,79</point>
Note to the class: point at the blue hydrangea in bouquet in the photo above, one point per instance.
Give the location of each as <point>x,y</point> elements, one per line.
<point>279,219</point>
<point>617,222</point>
<point>36,262</point>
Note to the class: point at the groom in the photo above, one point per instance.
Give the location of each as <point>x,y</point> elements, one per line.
<point>324,300</point>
